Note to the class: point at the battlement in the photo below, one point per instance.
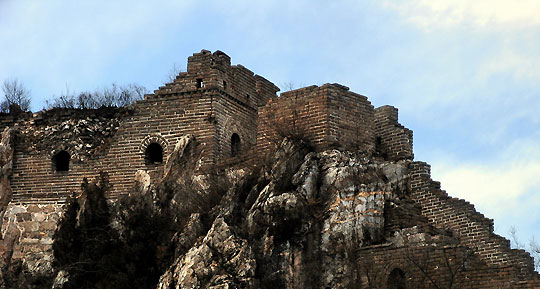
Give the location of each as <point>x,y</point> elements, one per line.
<point>208,71</point>
<point>394,141</point>
<point>228,108</point>
<point>326,116</point>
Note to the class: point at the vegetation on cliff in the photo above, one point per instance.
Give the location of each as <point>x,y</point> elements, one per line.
<point>305,219</point>
<point>244,229</point>
<point>127,244</point>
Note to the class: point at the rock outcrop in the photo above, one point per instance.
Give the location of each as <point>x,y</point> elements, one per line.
<point>6,166</point>
<point>296,226</point>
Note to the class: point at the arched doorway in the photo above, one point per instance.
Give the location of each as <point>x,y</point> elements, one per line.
<point>154,154</point>
<point>396,279</point>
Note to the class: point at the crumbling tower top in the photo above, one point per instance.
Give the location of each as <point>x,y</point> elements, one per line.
<point>207,71</point>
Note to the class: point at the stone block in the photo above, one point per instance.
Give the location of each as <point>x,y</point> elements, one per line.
<point>23,217</point>
<point>48,226</point>
<point>33,209</point>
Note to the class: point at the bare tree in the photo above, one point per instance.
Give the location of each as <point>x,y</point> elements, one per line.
<point>288,86</point>
<point>113,96</point>
<point>15,93</point>
<point>533,247</point>
<point>173,73</point>
<point>448,263</point>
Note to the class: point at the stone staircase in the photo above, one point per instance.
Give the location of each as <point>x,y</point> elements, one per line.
<point>472,228</point>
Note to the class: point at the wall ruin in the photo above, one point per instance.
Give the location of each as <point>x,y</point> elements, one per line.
<point>227,108</point>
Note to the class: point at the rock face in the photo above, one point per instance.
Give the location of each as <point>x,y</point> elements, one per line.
<point>306,219</point>
<point>296,226</point>
<point>6,165</point>
<point>11,233</point>
<point>328,219</point>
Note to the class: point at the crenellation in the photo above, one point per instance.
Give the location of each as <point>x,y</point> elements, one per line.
<point>393,141</point>
<point>473,228</point>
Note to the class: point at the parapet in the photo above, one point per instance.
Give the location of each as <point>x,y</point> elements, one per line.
<point>211,72</point>
<point>393,141</point>
<point>327,116</point>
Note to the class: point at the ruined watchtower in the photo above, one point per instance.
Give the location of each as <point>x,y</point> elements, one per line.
<point>219,102</point>
<point>212,100</point>
<point>232,112</point>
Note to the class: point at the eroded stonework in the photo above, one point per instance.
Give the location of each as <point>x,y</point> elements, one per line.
<point>338,201</point>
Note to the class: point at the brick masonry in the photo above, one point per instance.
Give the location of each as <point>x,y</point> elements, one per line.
<point>450,266</point>
<point>473,229</point>
<point>394,141</point>
<point>329,116</point>
<point>216,102</point>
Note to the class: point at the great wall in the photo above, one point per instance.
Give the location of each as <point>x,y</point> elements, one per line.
<point>239,118</point>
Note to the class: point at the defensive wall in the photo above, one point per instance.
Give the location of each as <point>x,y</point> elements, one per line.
<point>227,108</point>
<point>212,100</point>
<point>233,113</point>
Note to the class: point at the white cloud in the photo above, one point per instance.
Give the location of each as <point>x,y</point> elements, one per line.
<point>429,14</point>
<point>520,65</point>
<point>495,186</point>
<point>506,189</point>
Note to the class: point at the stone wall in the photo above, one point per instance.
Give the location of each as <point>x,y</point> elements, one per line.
<point>432,266</point>
<point>472,228</point>
<point>31,227</point>
<point>325,116</point>
<point>394,141</point>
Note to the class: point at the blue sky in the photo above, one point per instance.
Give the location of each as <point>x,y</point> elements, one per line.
<point>465,75</point>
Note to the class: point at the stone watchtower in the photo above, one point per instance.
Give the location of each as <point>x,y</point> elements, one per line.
<point>46,156</point>
<point>56,149</point>
<point>212,100</point>
<point>227,99</point>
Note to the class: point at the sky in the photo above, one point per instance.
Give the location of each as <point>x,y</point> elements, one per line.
<point>465,75</point>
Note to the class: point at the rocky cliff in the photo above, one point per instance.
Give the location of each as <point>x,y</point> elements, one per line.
<point>296,225</point>
<point>300,219</point>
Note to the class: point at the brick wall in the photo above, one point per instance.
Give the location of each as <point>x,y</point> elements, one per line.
<point>394,141</point>
<point>300,113</point>
<point>350,119</point>
<point>234,117</point>
<point>472,228</point>
<point>325,116</point>
<point>161,120</point>
<point>215,72</point>
<point>431,266</point>
<point>212,100</point>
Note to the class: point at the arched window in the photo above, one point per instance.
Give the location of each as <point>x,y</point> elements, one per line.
<point>235,144</point>
<point>61,161</point>
<point>396,279</point>
<point>153,154</point>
